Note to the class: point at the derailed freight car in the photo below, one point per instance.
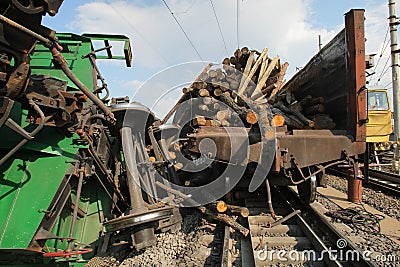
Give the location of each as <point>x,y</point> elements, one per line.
<point>336,73</point>
<point>63,169</point>
<point>285,155</point>
<point>110,162</point>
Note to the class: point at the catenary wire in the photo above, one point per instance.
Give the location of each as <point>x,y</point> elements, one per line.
<point>384,46</point>
<point>387,85</point>
<point>137,31</point>
<point>379,60</point>
<point>384,70</point>
<point>237,23</point>
<point>184,32</point>
<point>219,27</point>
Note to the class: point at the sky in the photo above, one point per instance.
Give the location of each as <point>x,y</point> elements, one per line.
<point>164,60</point>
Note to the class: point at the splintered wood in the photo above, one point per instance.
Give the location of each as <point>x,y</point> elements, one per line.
<point>228,96</point>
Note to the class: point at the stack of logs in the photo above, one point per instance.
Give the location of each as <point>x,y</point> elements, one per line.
<point>226,96</point>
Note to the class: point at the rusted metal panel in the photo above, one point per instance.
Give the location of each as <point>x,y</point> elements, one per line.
<point>305,147</point>
<point>337,74</point>
<point>355,77</point>
<point>227,143</point>
<point>325,76</point>
<point>308,148</point>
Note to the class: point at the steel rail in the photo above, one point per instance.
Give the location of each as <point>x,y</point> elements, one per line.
<point>388,176</point>
<point>226,259</point>
<point>389,182</point>
<point>331,231</point>
<point>328,258</point>
<point>289,201</point>
<point>395,190</point>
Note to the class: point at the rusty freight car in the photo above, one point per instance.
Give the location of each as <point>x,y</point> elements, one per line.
<point>119,173</point>
<point>334,78</point>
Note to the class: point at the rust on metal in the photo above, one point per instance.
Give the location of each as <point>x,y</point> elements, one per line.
<point>356,83</point>
<point>311,147</point>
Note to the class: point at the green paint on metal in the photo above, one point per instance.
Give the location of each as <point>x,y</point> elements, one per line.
<point>107,38</point>
<point>27,187</point>
<point>96,206</point>
<point>74,47</point>
<point>30,179</point>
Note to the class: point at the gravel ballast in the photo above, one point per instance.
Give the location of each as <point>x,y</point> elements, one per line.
<point>386,203</point>
<point>377,245</point>
<point>191,246</point>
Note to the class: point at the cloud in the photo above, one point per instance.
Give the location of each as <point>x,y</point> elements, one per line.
<point>158,42</point>
<point>375,31</point>
<point>132,86</point>
<point>161,91</point>
<point>282,26</point>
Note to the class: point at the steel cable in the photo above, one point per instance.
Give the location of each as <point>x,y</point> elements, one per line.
<point>384,71</point>
<point>219,27</point>
<point>359,217</point>
<point>119,14</point>
<point>384,46</point>
<point>184,32</point>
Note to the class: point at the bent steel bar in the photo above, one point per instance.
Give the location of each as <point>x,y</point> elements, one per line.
<point>54,47</point>
<point>32,134</point>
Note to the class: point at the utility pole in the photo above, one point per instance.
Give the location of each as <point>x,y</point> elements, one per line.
<point>393,22</point>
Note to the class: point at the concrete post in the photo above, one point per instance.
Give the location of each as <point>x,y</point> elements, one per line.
<point>395,67</point>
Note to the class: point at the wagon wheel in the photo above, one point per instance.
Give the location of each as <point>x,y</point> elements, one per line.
<point>29,6</point>
<point>308,190</point>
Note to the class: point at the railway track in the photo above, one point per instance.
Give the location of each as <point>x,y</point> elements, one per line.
<point>304,237</point>
<point>386,181</point>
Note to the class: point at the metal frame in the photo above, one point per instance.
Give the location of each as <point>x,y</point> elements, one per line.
<point>110,37</point>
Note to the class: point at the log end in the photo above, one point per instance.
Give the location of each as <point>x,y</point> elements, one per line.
<point>251,117</point>
<point>278,120</point>
<point>245,212</point>
<point>221,206</point>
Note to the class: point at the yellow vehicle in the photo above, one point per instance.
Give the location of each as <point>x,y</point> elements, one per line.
<point>379,125</point>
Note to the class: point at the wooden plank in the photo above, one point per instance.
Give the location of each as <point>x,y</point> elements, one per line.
<point>260,59</point>
<point>270,68</point>
<point>246,71</point>
<point>279,82</point>
<point>264,66</point>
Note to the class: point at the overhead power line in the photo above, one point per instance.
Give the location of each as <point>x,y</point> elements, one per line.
<point>219,27</point>
<point>384,46</point>
<point>180,26</point>
<point>237,23</point>
<point>387,85</point>
<point>384,71</point>
<point>136,30</point>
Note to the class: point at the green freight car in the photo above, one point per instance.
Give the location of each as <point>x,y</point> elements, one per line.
<point>38,179</point>
<point>65,191</point>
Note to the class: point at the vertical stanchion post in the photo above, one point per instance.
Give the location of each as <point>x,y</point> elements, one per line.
<point>393,22</point>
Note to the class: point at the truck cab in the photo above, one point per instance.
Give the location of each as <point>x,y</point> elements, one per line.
<point>379,125</point>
